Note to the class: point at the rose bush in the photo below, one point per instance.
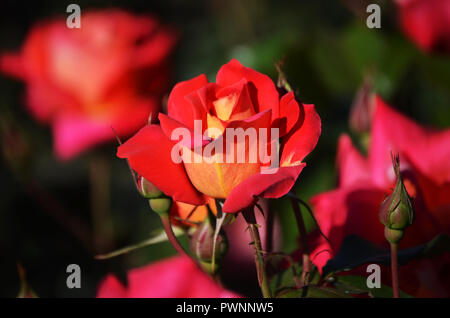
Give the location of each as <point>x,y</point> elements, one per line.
<point>365,182</point>
<point>112,72</point>
<point>176,277</point>
<point>240,98</point>
<point>427,23</point>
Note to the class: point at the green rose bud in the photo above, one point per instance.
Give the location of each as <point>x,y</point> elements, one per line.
<point>397,211</point>
<point>147,189</point>
<point>202,242</point>
<point>393,236</point>
<point>161,205</point>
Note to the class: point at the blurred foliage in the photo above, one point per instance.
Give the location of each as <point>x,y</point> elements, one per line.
<point>45,223</point>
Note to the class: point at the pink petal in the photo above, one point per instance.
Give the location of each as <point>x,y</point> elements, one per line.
<point>176,277</point>
<point>427,149</point>
<point>353,167</point>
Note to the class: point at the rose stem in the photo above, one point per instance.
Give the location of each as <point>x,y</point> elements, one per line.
<point>259,259</point>
<point>306,264</point>
<point>165,220</point>
<point>394,269</point>
<point>261,267</point>
<point>269,230</point>
<point>99,177</point>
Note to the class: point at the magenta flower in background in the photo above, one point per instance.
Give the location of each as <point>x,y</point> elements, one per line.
<point>353,207</point>
<point>176,277</point>
<point>427,23</point>
<point>112,72</point>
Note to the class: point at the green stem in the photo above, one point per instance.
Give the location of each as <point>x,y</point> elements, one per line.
<point>306,263</point>
<point>269,230</point>
<point>165,220</point>
<point>394,269</point>
<point>167,225</point>
<point>259,260</point>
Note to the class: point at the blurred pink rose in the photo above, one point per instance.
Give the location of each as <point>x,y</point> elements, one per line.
<point>353,207</point>
<point>427,23</point>
<point>176,277</point>
<point>112,72</point>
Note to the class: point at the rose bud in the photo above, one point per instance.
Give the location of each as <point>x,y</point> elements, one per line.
<point>161,205</point>
<point>396,211</point>
<point>202,245</point>
<point>363,108</point>
<point>147,189</point>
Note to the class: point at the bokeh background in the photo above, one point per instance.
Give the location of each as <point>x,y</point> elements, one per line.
<point>45,204</point>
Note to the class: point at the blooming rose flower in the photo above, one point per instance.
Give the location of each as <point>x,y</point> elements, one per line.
<point>427,23</point>
<point>365,182</point>
<point>109,73</point>
<point>240,98</point>
<point>176,277</point>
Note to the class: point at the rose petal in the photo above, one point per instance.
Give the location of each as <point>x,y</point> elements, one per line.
<point>427,149</point>
<point>290,110</point>
<point>300,142</point>
<point>149,154</point>
<point>179,107</point>
<point>217,178</point>
<point>156,49</point>
<point>353,167</point>
<point>262,185</point>
<point>241,108</point>
<point>266,92</point>
<point>176,277</point>
<point>342,212</point>
<point>168,126</point>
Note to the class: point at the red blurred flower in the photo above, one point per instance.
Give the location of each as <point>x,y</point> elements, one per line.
<point>176,277</point>
<point>240,98</point>
<point>364,183</point>
<point>427,23</point>
<point>109,73</point>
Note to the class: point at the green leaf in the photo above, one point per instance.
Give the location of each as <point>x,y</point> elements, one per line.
<point>285,279</point>
<point>355,285</point>
<point>325,292</point>
<point>312,291</point>
<point>158,238</point>
<point>356,251</point>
